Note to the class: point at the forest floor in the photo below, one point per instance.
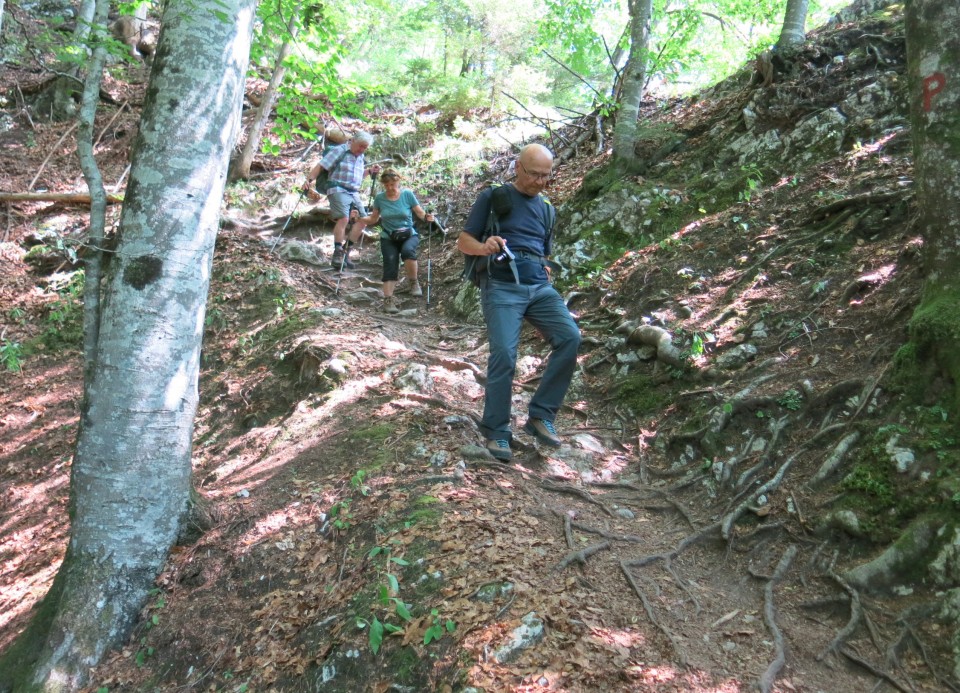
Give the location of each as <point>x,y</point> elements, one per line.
<point>337,449</point>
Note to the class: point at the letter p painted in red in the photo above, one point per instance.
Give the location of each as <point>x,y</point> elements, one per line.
<point>932,85</point>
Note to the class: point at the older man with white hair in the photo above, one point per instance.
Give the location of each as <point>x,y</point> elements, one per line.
<point>345,169</point>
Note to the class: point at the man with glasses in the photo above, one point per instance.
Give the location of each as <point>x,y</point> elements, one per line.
<point>518,290</point>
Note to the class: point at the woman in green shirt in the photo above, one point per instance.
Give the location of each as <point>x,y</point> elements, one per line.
<point>394,209</point>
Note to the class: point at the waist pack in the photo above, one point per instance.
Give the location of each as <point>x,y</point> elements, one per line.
<point>401,235</point>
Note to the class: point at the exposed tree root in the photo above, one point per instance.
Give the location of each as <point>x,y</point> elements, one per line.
<point>652,493</point>
<point>771,449</point>
<point>681,655</point>
<point>726,524</point>
<point>769,676</point>
<point>678,506</point>
<point>856,615</point>
<point>902,556</point>
<point>835,459</point>
<point>568,531</point>
<point>662,340</point>
<point>580,556</point>
<point>579,492</point>
<point>879,673</point>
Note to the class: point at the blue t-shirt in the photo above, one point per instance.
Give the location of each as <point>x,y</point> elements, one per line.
<point>396,214</point>
<point>524,228</point>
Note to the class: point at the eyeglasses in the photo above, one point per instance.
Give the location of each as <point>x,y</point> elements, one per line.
<point>534,174</point>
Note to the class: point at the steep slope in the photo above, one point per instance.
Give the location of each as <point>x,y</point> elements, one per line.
<point>679,542</point>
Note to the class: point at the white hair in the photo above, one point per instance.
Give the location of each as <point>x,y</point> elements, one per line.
<point>364,137</point>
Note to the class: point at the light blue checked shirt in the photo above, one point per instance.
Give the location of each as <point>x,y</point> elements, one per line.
<point>348,174</point>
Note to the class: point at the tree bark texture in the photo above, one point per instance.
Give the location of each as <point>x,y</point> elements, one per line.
<point>63,89</point>
<point>93,265</point>
<point>240,167</point>
<point>130,480</point>
<point>933,72</point>
<point>625,130</point>
<point>794,20</point>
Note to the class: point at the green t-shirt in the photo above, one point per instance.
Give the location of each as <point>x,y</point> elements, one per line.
<point>396,214</point>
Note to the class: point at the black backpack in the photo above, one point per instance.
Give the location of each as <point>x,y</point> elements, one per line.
<point>323,178</point>
<point>476,267</point>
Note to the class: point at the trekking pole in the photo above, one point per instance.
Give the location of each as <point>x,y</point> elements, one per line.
<point>279,235</point>
<point>373,188</point>
<point>430,252</point>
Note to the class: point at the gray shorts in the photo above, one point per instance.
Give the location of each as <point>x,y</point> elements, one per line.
<point>341,201</point>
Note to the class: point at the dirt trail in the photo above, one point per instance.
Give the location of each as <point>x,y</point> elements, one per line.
<point>304,543</point>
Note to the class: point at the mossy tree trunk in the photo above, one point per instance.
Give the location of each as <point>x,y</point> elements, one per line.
<point>131,473</point>
<point>933,70</point>
<point>625,131</point>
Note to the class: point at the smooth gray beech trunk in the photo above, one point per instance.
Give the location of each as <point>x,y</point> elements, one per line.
<point>131,481</point>
<point>625,130</point>
<point>93,264</point>
<point>240,165</point>
<point>794,20</point>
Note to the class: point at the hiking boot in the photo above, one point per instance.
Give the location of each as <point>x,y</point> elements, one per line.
<point>543,431</point>
<point>390,305</point>
<point>339,260</point>
<point>415,290</point>
<point>500,449</point>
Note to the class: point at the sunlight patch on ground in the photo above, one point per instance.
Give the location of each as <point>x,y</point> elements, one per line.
<point>20,597</point>
<point>36,495</point>
<point>294,515</point>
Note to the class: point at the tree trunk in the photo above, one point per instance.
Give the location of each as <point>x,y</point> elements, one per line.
<point>63,105</point>
<point>625,131</point>
<point>130,482</point>
<point>240,166</point>
<point>933,73</point>
<point>795,17</point>
<point>93,265</point>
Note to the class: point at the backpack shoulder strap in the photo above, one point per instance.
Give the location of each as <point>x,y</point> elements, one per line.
<point>339,159</point>
<point>549,219</point>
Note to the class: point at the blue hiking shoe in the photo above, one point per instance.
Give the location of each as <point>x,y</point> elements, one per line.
<point>543,431</point>
<point>499,449</point>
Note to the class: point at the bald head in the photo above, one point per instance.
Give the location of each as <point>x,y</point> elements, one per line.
<point>534,168</point>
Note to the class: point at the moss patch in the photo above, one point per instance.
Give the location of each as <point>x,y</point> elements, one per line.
<point>641,396</point>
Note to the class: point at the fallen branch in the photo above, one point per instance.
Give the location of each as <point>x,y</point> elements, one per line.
<point>769,676</point>
<point>67,198</point>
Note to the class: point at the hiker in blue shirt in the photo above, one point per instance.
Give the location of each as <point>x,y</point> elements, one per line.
<point>516,290</point>
<point>394,209</point>
<point>345,169</point>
